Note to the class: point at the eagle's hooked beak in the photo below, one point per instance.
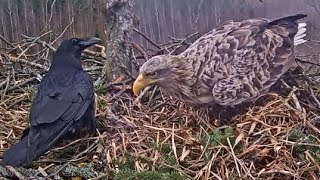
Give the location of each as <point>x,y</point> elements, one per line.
<point>140,83</point>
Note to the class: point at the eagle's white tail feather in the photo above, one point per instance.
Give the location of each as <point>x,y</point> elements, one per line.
<point>299,42</point>
<point>298,38</point>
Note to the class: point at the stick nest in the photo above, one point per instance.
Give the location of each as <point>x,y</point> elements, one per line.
<point>156,137</point>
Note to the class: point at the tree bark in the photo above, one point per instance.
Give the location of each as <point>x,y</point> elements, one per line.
<point>119,17</point>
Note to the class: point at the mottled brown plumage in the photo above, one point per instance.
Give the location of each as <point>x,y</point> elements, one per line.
<point>233,63</point>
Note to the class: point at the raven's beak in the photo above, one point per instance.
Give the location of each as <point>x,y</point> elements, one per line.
<point>89,42</point>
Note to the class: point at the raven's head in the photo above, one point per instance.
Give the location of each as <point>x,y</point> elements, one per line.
<point>77,45</point>
<point>69,52</point>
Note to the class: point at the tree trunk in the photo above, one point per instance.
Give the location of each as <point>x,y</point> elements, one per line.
<point>119,16</point>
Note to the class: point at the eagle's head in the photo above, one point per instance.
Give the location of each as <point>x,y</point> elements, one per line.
<point>172,73</point>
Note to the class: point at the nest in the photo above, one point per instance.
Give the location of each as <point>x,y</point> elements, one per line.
<point>156,137</point>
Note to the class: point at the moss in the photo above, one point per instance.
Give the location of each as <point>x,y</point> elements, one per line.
<point>126,168</point>
<point>150,175</point>
<point>300,136</point>
<point>127,164</point>
<point>32,91</point>
<point>84,171</point>
<point>171,160</point>
<point>101,90</point>
<point>162,148</point>
<point>221,136</point>
<point>217,138</point>
<point>127,174</point>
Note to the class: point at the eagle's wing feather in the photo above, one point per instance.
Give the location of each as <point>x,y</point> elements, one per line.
<point>238,61</point>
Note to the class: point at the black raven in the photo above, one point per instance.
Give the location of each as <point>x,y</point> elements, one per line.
<point>63,107</point>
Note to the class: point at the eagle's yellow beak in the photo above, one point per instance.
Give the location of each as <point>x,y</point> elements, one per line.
<point>140,83</point>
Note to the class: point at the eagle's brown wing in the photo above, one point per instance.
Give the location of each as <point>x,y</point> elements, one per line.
<point>238,61</point>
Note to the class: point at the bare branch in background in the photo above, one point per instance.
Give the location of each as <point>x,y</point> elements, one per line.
<point>50,17</point>
<point>146,37</point>
<point>315,5</point>
<point>194,26</point>
<point>6,41</point>
<point>64,31</point>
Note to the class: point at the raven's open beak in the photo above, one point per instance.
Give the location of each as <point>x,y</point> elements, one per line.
<point>89,42</point>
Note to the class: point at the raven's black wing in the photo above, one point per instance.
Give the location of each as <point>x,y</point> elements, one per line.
<point>62,96</point>
<point>61,102</point>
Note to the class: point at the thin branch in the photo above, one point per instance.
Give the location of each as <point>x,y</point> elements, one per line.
<point>32,44</point>
<point>6,41</point>
<point>147,38</point>
<point>50,18</point>
<point>64,31</point>
<point>92,146</point>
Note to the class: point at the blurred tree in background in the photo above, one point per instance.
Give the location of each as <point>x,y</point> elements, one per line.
<point>158,19</point>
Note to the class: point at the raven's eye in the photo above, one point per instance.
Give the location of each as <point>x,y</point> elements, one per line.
<point>74,41</point>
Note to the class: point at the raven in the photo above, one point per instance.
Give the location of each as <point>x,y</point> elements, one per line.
<point>63,107</point>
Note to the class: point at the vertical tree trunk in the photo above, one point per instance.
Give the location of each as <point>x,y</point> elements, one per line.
<point>17,21</point>
<point>9,13</point>
<point>156,11</point>
<point>172,19</point>
<point>60,20</point>
<point>119,16</point>
<point>26,17</point>
<point>3,24</point>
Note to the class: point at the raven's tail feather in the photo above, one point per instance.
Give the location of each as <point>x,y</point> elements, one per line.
<point>16,154</point>
<point>35,144</point>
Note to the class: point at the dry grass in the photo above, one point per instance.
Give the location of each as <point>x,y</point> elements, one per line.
<point>163,138</point>
<point>273,141</point>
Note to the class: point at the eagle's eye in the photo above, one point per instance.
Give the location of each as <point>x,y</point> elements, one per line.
<point>154,74</point>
